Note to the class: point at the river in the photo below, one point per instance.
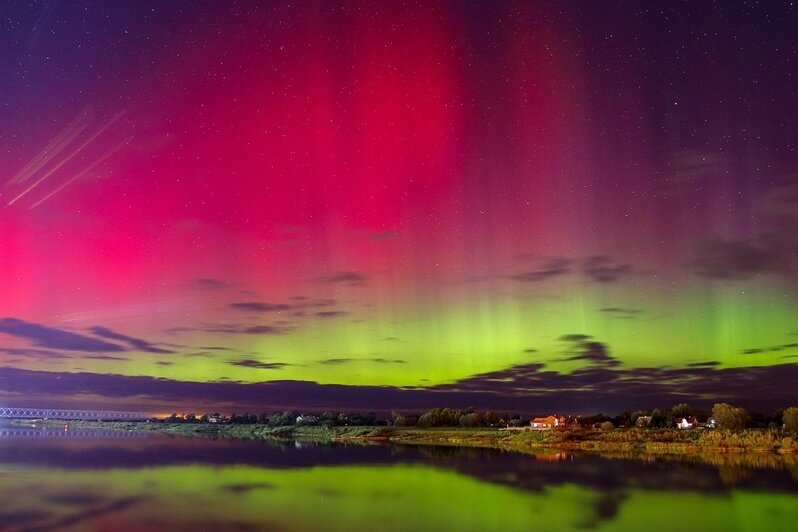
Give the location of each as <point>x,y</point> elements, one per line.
<point>62,480</point>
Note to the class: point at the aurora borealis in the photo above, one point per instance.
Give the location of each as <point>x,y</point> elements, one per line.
<point>577,205</point>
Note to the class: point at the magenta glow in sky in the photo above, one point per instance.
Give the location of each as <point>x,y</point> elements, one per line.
<point>352,204</point>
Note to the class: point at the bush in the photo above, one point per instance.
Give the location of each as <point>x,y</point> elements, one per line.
<point>728,417</point>
<point>790,418</point>
<point>607,425</point>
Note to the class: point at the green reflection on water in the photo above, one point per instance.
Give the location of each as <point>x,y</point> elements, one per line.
<point>400,497</point>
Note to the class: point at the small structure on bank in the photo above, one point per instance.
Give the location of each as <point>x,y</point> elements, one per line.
<point>686,423</point>
<point>550,422</point>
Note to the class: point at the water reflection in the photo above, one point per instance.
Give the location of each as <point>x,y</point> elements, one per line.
<point>50,433</point>
<point>157,482</point>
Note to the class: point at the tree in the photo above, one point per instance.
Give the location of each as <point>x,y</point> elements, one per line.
<point>282,419</point>
<point>491,418</point>
<point>469,420</point>
<point>191,418</point>
<point>204,418</point>
<point>658,419</point>
<point>728,417</point>
<point>790,418</point>
<point>682,410</point>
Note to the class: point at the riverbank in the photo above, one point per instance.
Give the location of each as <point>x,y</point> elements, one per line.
<point>651,441</point>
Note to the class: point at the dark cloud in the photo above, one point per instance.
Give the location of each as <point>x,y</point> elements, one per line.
<point>230,328</point>
<point>549,269</point>
<point>34,353</point>
<point>331,314</point>
<point>706,364</point>
<point>297,307</point>
<point>380,236</point>
<point>603,269</point>
<point>257,306</point>
<point>769,349</point>
<point>261,329</point>
<point>135,343</point>
<point>207,283</point>
<point>336,361</point>
<point>772,253</point>
<point>257,364</point>
<point>107,357</point>
<point>305,302</point>
<point>378,360</point>
<point>51,337</point>
<point>604,389</point>
<point>530,350</point>
<point>526,388</point>
<point>246,488</point>
<point>350,278</point>
<point>575,337</point>
<point>585,349</point>
<point>165,363</point>
<point>620,311</point>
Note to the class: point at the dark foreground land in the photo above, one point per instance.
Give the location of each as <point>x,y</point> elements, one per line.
<point>651,441</point>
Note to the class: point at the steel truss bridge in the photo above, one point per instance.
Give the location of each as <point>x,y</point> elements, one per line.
<point>60,413</point>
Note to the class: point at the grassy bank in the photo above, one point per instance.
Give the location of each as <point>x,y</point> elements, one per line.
<point>662,441</point>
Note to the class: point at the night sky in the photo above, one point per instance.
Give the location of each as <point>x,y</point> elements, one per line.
<point>575,206</point>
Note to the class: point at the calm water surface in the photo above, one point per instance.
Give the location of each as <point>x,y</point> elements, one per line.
<point>94,481</point>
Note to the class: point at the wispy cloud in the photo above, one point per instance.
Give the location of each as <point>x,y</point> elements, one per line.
<point>771,253</point>
<point>257,364</point>
<point>209,283</point>
<point>583,347</point>
<point>349,278</point>
<point>135,343</point>
<point>621,311</point>
<point>259,306</point>
<point>376,360</point>
<point>604,269</point>
<point>331,313</point>
<point>54,338</point>
<point>547,270</point>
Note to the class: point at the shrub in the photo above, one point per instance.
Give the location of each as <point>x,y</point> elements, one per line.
<point>728,417</point>
<point>790,418</point>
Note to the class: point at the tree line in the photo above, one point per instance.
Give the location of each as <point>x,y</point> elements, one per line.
<point>726,417</point>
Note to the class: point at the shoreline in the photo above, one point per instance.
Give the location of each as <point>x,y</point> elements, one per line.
<point>621,440</point>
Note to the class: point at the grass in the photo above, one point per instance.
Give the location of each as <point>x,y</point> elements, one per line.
<point>656,441</point>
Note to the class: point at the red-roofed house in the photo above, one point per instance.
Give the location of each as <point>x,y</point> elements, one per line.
<point>551,422</point>
<point>686,423</point>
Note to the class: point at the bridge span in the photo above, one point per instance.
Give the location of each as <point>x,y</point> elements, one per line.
<point>61,413</point>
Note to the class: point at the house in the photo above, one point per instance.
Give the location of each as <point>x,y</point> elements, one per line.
<point>551,422</point>
<point>686,423</point>
<point>307,419</point>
